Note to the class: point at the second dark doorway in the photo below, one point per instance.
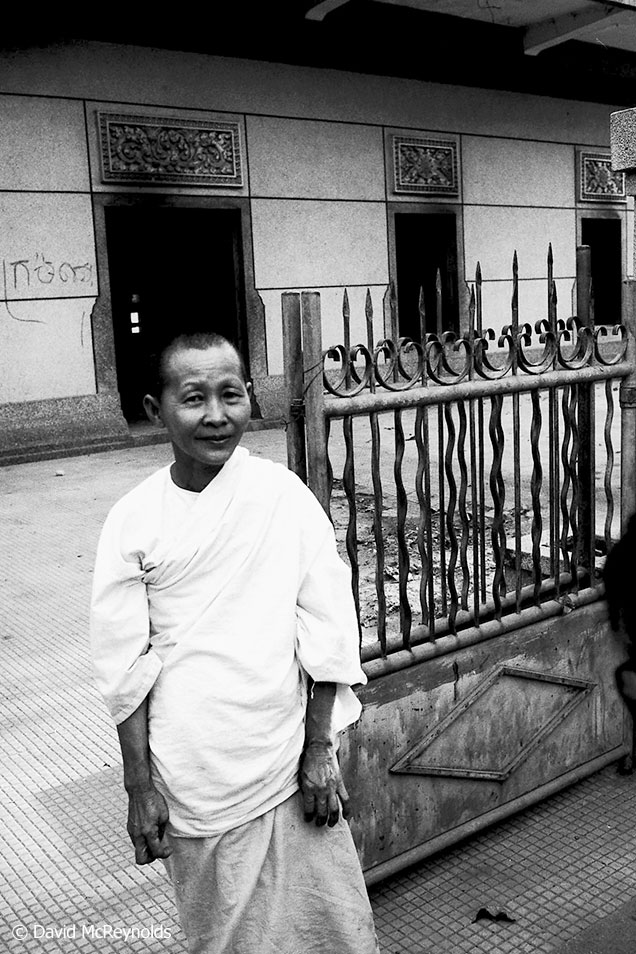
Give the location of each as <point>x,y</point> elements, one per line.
<point>604,238</point>
<point>426,244</point>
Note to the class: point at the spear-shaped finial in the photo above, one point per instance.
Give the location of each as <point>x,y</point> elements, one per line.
<point>515,293</point>
<point>422,314</point>
<point>478,313</point>
<point>368,311</point>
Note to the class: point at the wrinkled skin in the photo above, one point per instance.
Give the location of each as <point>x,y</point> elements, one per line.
<point>147,819</point>
<point>322,786</point>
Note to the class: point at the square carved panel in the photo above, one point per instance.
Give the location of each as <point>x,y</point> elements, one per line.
<point>597,181</point>
<point>182,152</point>
<point>425,166</point>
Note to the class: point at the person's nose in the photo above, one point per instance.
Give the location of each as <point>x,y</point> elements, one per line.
<point>214,412</point>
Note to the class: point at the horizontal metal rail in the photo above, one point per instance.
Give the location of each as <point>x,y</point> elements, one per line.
<point>401,658</point>
<point>489,613</point>
<point>470,390</point>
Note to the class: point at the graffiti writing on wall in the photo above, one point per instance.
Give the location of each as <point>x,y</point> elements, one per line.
<point>27,274</point>
<point>39,277</point>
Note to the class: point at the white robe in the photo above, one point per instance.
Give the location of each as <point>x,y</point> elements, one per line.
<point>217,605</point>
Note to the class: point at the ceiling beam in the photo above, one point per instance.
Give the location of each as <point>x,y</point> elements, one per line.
<point>547,33</point>
<point>320,10</point>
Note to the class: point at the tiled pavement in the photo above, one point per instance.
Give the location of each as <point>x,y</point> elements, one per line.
<point>67,878</point>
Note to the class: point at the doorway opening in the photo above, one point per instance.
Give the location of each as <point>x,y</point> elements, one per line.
<point>425,246</point>
<point>604,239</point>
<point>172,270</point>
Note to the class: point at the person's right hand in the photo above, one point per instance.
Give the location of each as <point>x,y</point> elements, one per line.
<point>147,819</point>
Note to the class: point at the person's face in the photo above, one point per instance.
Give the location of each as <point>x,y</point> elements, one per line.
<point>205,407</point>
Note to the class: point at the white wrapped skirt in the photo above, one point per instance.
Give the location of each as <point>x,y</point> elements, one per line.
<point>275,885</point>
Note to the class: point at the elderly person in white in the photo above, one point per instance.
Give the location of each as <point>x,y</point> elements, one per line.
<point>224,642</point>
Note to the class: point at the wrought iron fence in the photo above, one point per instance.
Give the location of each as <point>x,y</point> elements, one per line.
<point>470,478</point>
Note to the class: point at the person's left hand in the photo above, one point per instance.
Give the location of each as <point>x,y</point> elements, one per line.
<point>322,786</point>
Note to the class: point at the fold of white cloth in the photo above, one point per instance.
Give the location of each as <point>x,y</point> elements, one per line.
<point>276,885</point>
<point>218,605</point>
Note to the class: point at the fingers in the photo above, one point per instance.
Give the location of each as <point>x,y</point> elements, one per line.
<point>318,785</point>
<point>317,805</point>
<point>149,847</point>
<point>157,848</point>
<point>321,807</point>
<point>309,804</point>
<point>327,810</point>
<point>147,819</point>
<point>142,853</point>
<point>324,793</point>
<point>321,811</point>
<point>334,810</point>
<point>320,802</point>
<point>347,810</point>
<point>325,805</point>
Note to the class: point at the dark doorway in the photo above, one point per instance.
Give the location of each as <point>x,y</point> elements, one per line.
<point>604,238</point>
<point>425,245</point>
<point>171,270</point>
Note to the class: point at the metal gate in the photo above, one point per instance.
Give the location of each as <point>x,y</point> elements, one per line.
<point>474,489</point>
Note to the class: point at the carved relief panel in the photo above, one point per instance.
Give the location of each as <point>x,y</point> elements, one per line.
<point>137,149</point>
<point>598,182</point>
<point>425,166</point>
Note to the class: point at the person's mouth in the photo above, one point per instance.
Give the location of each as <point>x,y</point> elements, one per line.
<point>215,439</point>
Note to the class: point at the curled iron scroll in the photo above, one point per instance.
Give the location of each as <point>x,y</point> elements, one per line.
<point>580,339</point>
<point>483,365</point>
<point>617,336</point>
<point>546,337</point>
<point>395,375</point>
<point>447,359</point>
<point>349,381</point>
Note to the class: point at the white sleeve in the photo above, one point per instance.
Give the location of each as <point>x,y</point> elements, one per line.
<point>124,665</point>
<point>327,629</point>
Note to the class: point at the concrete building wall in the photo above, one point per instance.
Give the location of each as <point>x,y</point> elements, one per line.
<point>318,177</point>
<point>134,75</point>
<point>47,251</point>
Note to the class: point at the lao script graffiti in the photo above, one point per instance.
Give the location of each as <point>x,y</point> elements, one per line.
<point>28,273</point>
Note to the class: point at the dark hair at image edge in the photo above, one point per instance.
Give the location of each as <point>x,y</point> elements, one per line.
<point>619,574</point>
<point>199,341</point>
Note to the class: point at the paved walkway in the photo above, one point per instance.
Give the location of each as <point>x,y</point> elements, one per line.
<point>563,872</point>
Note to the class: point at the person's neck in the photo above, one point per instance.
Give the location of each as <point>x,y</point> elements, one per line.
<point>194,478</point>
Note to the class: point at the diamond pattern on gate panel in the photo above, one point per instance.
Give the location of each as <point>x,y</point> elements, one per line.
<point>540,703</point>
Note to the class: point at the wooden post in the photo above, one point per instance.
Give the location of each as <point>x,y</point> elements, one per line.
<point>587,456</point>
<point>315,426</point>
<point>628,410</point>
<point>293,368</point>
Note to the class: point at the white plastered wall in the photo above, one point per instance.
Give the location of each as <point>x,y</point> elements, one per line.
<point>518,196</point>
<point>318,220</point>
<point>48,276</point>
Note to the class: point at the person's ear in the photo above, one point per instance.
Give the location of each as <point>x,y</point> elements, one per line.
<point>152,409</point>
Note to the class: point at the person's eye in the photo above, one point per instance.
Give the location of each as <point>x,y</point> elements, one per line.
<point>232,395</point>
<point>192,399</point>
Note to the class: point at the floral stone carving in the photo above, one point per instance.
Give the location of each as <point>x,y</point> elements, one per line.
<point>182,152</point>
<point>597,179</point>
<point>425,166</point>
